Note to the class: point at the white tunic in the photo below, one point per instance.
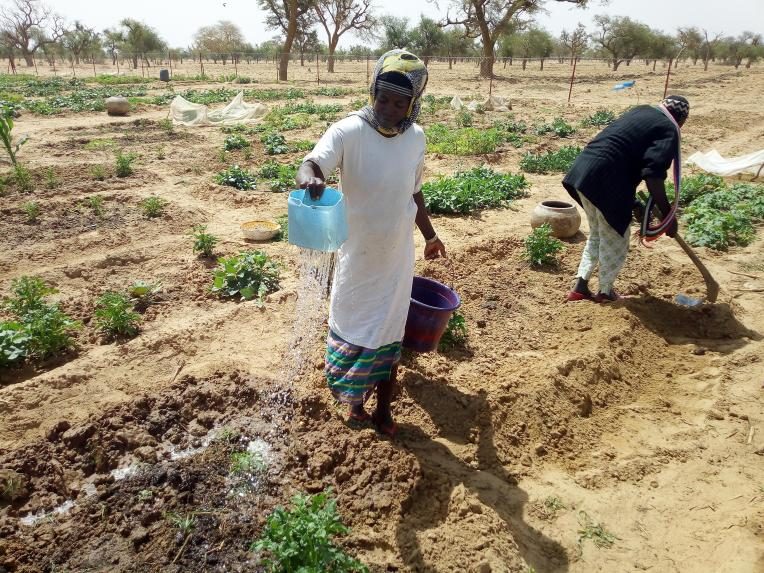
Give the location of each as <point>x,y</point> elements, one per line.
<point>372,279</point>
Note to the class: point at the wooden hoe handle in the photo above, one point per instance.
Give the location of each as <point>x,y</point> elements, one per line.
<point>712,287</point>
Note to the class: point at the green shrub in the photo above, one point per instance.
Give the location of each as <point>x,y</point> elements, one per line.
<point>550,162</point>
<point>124,164</point>
<point>279,176</point>
<point>301,539</point>
<point>239,128</point>
<point>464,118</point>
<point>32,210</point>
<point>114,315</point>
<point>275,143</point>
<point>250,275</point>
<point>95,204</point>
<point>14,343</point>
<point>237,178</point>
<point>599,118</point>
<point>98,172</point>
<point>693,186</point>
<point>242,80</point>
<point>559,127</point>
<point>541,247</point>
<point>455,334</point>
<point>463,141</point>
<point>726,217</point>
<point>153,207</point>
<point>51,181</point>
<point>235,141</point>
<point>478,188</point>
<point>23,178</point>
<point>28,295</point>
<point>204,242</point>
<point>49,330</point>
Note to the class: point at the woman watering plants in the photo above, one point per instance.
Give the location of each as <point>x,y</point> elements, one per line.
<point>379,151</point>
<point>639,145</point>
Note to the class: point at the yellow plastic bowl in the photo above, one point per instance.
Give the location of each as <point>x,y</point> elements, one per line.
<point>260,230</point>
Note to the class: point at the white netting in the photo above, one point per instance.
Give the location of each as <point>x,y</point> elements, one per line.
<point>713,162</point>
<point>238,111</point>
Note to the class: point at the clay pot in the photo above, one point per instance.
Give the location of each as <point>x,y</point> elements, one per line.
<point>117,105</point>
<point>561,216</point>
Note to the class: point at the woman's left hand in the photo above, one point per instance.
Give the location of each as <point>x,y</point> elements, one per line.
<point>435,250</point>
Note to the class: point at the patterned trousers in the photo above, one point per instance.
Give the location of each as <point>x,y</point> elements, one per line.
<point>604,247</point>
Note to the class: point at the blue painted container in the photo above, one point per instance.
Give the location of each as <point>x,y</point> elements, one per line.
<point>319,224</point>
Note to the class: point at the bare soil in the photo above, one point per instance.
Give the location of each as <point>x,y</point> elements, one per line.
<point>641,416</point>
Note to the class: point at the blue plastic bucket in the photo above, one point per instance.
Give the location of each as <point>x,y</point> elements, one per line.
<point>432,305</point>
<point>319,224</point>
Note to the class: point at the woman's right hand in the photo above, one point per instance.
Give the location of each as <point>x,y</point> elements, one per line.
<point>314,185</point>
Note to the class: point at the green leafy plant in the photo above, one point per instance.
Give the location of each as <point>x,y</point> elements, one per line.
<point>235,141</point>
<point>455,334</point>
<point>51,181</point>
<point>247,463</point>
<point>6,135</point>
<point>478,188</point>
<point>301,539</point>
<point>694,186</point>
<point>250,275</point>
<point>161,154</point>
<point>50,331</point>
<point>97,144</point>
<point>204,242</point>
<point>599,118</point>
<point>464,118</point>
<point>153,206</point>
<point>95,204</point>
<point>279,176</point>
<point>23,178</point>
<point>559,127</point>
<point>541,247</point>
<point>124,164</point>
<point>303,145</point>
<point>596,532</point>
<point>275,143</point>
<point>114,315</point>
<point>98,172</point>
<point>166,125</point>
<point>143,292</point>
<point>14,343</point>
<point>239,128</point>
<point>32,210</point>
<point>462,141</point>
<point>28,294</point>
<point>550,162</point>
<point>237,178</point>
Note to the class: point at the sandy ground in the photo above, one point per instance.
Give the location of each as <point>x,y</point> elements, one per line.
<point>641,416</point>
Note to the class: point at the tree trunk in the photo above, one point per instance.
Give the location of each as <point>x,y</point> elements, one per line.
<point>288,41</point>
<point>655,61</point>
<point>28,58</point>
<point>135,61</point>
<point>542,64</point>
<point>486,63</point>
<point>616,63</point>
<point>525,63</point>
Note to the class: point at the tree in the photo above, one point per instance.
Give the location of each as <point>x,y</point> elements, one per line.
<point>28,25</point>
<point>692,40</point>
<point>753,49</point>
<point>396,33</point>
<point>621,38</point>
<point>340,16</point>
<point>490,19</point>
<point>223,39</point>
<point>140,39</point>
<point>661,47</point>
<point>574,42</point>
<point>284,15</point>
<point>306,39</point>
<point>457,43</point>
<point>112,41</point>
<point>427,39</point>
<point>81,41</point>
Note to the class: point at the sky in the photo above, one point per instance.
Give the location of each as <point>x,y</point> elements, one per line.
<point>177,21</point>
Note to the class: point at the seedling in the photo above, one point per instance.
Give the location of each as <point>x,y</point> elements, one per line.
<point>283,221</point>
<point>166,125</point>
<point>600,118</point>
<point>143,292</point>
<point>153,207</point>
<point>455,334</point>
<point>541,247</point>
<point>28,295</point>
<point>275,143</point>
<point>184,523</point>
<point>250,275</point>
<point>462,141</point>
<point>464,118</point>
<point>247,463</point>
<point>6,135</point>
<point>51,181</point>
<point>237,178</point>
<point>14,342</point>
<point>114,315</point>
<point>280,176</point>
<point>32,210</point>
<point>204,242</point>
<point>98,172</point>
<point>559,127</point>
<point>161,152</point>
<point>228,435</point>
<point>23,178</point>
<point>95,204</point>
<point>97,144</point>
<point>145,495</point>
<point>601,537</point>
<point>235,141</point>
<point>124,164</point>
<point>301,538</point>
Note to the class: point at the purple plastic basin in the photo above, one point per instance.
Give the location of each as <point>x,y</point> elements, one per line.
<point>432,305</point>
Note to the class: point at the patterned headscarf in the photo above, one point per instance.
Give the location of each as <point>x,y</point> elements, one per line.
<point>401,72</point>
<point>678,106</point>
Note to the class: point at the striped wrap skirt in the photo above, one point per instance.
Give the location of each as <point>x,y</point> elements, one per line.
<point>353,372</point>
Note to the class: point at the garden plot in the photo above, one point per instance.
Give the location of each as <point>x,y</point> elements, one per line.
<point>547,436</point>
